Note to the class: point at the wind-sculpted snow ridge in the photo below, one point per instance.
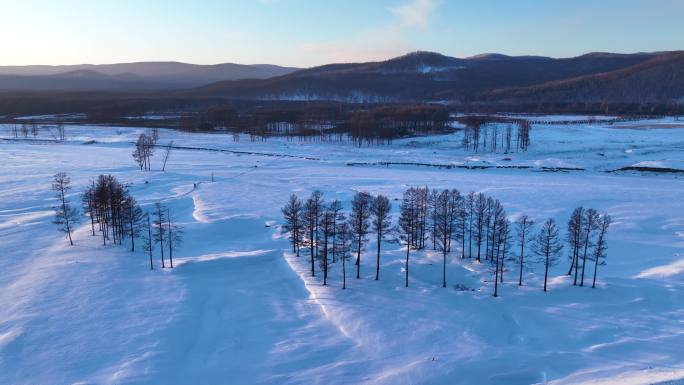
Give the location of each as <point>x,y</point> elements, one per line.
<point>240,307</point>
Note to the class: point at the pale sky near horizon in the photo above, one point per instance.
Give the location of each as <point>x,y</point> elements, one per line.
<point>306,32</point>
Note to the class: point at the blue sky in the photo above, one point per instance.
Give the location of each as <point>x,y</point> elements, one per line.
<point>307,32</point>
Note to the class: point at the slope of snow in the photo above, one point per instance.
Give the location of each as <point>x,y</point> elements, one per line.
<point>240,308</point>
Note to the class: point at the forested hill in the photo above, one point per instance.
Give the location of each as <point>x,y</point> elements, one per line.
<point>659,79</point>
<point>489,78</point>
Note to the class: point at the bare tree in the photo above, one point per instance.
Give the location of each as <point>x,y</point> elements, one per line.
<point>312,216</point>
<point>134,216</point>
<point>503,240</point>
<point>65,215</point>
<point>88,204</point>
<point>326,230</point>
<point>407,223</point>
<point>599,254</point>
<point>470,211</point>
<point>359,226</point>
<point>159,223</point>
<point>422,213</point>
<point>573,238</point>
<point>591,218</point>
<point>167,153</point>
<point>61,133</point>
<point>153,134</point>
<point>337,217</point>
<point>14,130</point>
<point>343,246</point>
<point>433,209</point>
<point>174,237</point>
<point>547,246</point>
<point>382,220</point>
<point>445,223</point>
<point>292,212</point>
<point>523,227</point>
<point>144,149</point>
<point>148,240</point>
<point>480,218</point>
<point>461,220</point>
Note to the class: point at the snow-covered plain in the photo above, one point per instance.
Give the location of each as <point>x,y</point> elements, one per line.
<point>240,308</point>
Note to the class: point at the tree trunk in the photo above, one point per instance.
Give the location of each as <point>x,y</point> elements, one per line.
<point>168,217</point>
<point>325,260</point>
<point>344,273</point>
<point>496,277</point>
<point>444,253</point>
<point>66,217</point>
<point>522,260</point>
<point>311,240</point>
<point>92,222</point>
<point>584,258</point>
<point>149,234</point>
<point>546,269</point>
<point>358,260</point>
<point>377,265</point>
<point>408,249</point>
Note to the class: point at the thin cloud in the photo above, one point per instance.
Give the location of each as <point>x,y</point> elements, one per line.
<point>367,45</point>
<point>416,13</point>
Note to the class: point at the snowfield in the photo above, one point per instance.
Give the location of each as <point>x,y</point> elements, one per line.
<point>240,308</point>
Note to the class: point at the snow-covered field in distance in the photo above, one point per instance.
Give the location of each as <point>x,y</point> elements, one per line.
<point>240,309</point>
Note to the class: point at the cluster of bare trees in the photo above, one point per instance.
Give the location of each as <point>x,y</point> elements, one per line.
<point>586,238</point>
<point>57,131</point>
<point>116,215</point>
<point>112,210</point>
<point>163,232</point>
<point>144,148</point>
<point>330,235</point>
<point>483,136</point>
<point>474,225</point>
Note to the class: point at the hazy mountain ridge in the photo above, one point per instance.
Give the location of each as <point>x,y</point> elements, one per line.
<point>134,76</point>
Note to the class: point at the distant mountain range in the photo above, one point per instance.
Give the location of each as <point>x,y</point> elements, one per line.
<point>427,76</point>
<point>656,77</point>
<point>129,76</point>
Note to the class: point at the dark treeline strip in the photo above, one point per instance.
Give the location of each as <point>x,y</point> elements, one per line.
<point>111,107</point>
<point>371,124</point>
<point>472,225</point>
<point>666,170</point>
<point>467,167</point>
<point>588,108</point>
<point>21,131</point>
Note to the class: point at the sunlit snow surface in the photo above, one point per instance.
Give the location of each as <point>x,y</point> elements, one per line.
<point>240,309</point>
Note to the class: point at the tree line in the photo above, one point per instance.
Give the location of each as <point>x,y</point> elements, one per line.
<point>360,124</point>
<point>471,225</point>
<point>56,131</point>
<point>118,218</point>
<point>494,134</point>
